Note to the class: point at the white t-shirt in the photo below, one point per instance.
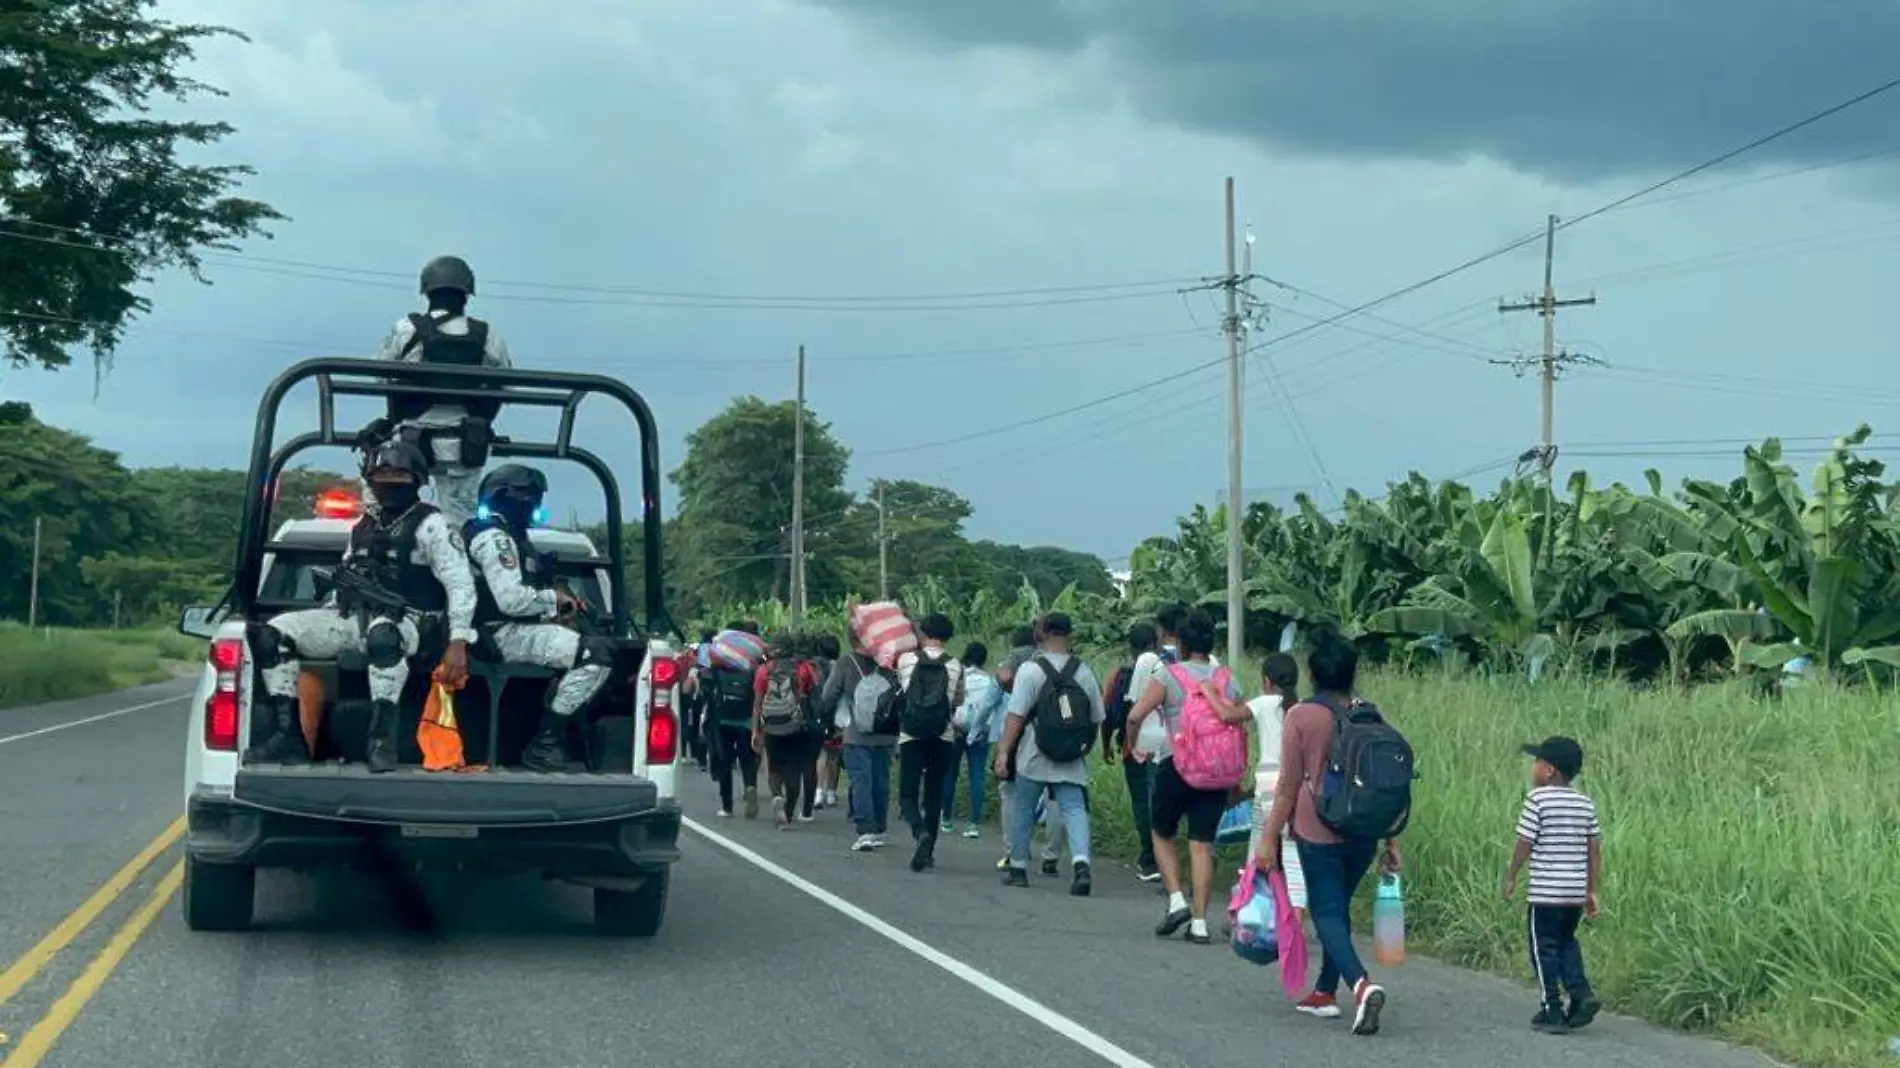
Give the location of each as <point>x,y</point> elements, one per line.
<point>1269,713</point>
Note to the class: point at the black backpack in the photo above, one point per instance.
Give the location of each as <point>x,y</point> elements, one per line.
<point>1365,789</point>
<point>1117,703</point>
<point>925,711</point>
<point>730,701</point>
<point>1065,722</point>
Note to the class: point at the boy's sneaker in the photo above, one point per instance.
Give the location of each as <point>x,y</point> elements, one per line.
<point>864,844</point>
<point>946,827</point>
<point>725,813</point>
<point>1083,881</point>
<point>1002,863</point>
<point>1324,1006</point>
<point>778,811</point>
<point>1582,1011</point>
<point>880,840</point>
<point>1147,872</point>
<point>1550,1020</point>
<point>751,802</point>
<point>1368,999</point>
<point>1015,876</point>
<point>1197,933</point>
<point>805,817</point>
<point>972,832</point>
<point>1048,867</point>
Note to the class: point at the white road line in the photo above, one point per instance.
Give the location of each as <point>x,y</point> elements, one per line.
<point>11,738</point>
<point>1008,995</point>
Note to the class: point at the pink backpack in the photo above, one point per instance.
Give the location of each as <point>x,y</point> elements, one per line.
<point>1209,753</point>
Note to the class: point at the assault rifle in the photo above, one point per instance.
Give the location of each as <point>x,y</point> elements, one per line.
<point>360,591</point>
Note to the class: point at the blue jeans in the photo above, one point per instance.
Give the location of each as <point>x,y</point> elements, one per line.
<point>977,755</point>
<point>1071,799</point>
<point>1333,873</point>
<point>869,769</point>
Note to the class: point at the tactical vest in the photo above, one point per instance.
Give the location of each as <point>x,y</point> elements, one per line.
<point>537,572</point>
<point>398,562</point>
<point>453,350</point>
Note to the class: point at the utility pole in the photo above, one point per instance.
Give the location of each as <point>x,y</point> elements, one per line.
<point>1552,360</point>
<point>118,599</point>
<point>33,583</point>
<point>1233,327</point>
<point>883,549</point>
<point>798,502</point>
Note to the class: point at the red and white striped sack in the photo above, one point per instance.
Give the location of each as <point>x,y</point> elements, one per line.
<point>884,631</point>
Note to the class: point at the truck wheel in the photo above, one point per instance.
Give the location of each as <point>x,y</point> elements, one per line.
<point>218,897</point>
<point>632,913</point>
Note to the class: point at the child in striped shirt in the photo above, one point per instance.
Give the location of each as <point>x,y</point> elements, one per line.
<point>1558,834</point>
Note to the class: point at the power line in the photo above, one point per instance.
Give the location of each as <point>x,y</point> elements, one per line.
<point>634,295</point>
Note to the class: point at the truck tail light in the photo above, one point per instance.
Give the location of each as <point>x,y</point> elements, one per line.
<point>663,736</point>
<point>221,708</point>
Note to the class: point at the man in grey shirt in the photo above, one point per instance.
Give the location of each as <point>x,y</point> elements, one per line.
<point>1029,770</point>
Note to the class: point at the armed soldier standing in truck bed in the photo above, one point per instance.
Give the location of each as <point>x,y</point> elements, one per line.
<point>405,567</point>
<point>455,436</point>
<point>518,604</point>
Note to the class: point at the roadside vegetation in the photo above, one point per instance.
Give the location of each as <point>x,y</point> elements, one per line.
<point>57,664</point>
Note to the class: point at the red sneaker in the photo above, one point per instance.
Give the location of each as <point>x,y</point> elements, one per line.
<point>1368,1000</point>
<point>1324,1006</point>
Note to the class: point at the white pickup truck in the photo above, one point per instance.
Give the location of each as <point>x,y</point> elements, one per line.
<point>611,822</point>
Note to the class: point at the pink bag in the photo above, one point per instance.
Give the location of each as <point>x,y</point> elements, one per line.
<point>1292,936</point>
<point>1209,753</point>
<point>883,630</point>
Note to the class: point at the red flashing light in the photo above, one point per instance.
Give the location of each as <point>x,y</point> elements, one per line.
<point>665,673</point>
<point>337,504</point>
<point>663,737</point>
<point>221,708</point>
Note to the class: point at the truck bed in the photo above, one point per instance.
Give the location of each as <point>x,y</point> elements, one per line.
<point>409,795</point>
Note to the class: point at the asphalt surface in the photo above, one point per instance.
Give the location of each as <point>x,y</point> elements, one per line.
<point>798,953</point>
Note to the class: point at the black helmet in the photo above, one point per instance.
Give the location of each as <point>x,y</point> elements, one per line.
<point>448,272</point>
<point>400,455</point>
<point>515,481</point>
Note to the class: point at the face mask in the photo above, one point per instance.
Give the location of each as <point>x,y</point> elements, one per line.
<point>394,497</point>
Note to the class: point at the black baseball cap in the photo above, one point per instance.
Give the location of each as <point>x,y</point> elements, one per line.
<point>1559,752</point>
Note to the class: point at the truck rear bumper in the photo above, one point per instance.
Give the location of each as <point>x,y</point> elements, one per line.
<point>563,825</point>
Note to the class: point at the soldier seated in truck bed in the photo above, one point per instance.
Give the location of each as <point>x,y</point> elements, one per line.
<point>405,569</point>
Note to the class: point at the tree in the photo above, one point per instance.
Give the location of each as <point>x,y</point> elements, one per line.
<point>198,509</point>
<point>88,506</point>
<point>94,199</point>
<point>925,526</point>
<point>735,509</point>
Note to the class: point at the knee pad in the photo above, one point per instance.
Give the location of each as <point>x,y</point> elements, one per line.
<point>596,649</point>
<point>270,646</point>
<point>383,644</point>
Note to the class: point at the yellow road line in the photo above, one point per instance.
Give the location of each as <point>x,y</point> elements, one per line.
<point>38,1041</point>
<point>22,971</point>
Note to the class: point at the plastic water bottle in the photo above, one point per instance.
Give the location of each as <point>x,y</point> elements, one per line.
<point>1388,923</point>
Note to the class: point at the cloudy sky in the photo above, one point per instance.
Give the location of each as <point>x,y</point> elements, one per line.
<point>977,214</point>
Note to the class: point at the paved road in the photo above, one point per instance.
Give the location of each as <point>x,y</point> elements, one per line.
<point>779,949</point>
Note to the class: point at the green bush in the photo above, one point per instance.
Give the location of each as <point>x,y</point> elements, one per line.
<point>55,664</point>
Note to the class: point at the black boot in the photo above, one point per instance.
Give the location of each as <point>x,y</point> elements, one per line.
<point>276,733</point>
<point>381,752</point>
<point>548,751</point>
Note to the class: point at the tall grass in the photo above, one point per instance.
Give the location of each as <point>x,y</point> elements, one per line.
<point>1751,878</point>
<point>1751,883</point>
<point>55,665</point>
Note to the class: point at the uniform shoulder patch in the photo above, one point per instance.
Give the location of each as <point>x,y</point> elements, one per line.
<point>505,556</point>
<point>456,542</point>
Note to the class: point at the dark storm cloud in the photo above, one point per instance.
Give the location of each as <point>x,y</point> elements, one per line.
<point>1573,89</point>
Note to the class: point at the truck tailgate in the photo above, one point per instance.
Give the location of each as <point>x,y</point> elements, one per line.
<point>503,797</point>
